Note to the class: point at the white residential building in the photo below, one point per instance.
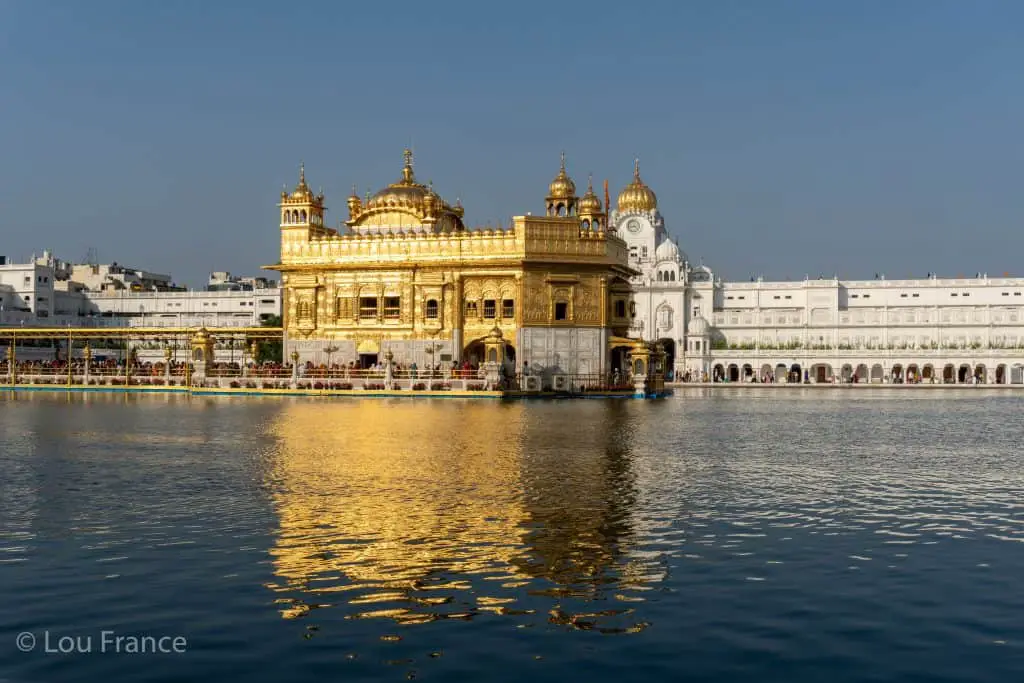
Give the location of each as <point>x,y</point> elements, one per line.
<point>46,292</point>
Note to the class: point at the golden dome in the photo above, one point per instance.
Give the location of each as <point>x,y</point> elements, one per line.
<point>406,193</point>
<point>636,196</point>
<point>562,187</point>
<point>302,190</point>
<point>403,201</point>
<point>589,203</point>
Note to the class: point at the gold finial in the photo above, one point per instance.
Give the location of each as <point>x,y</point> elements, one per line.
<point>563,161</point>
<point>302,173</point>
<point>590,182</point>
<point>407,174</point>
<point>354,192</point>
<point>636,168</point>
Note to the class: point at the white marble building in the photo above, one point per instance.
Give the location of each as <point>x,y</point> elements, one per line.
<point>962,330</point>
<point>45,292</point>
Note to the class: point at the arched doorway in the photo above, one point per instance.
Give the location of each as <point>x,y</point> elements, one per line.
<point>1017,374</point>
<point>474,353</point>
<point>1001,374</point>
<point>795,374</point>
<point>734,373</point>
<point>896,374</point>
<point>367,351</point>
<point>877,372</point>
<point>766,373</point>
<point>822,373</point>
<point>963,374</point>
<point>718,373</point>
<point>619,362</point>
<point>780,373</point>
<point>846,373</point>
<point>979,373</point>
<point>748,372</point>
<point>913,373</point>
<point>948,374</point>
<point>928,372</point>
<point>670,356</point>
<point>862,373</point>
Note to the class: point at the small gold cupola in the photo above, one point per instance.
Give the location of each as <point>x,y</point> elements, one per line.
<point>355,204</point>
<point>561,199</point>
<point>591,212</point>
<point>301,208</point>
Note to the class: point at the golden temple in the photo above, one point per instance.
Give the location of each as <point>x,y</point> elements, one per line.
<point>405,276</point>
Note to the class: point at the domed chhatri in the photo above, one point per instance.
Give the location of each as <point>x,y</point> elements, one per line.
<point>302,191</point>
<point>698,327</point>
<point>668,251</point>
<point>589,202</point>
<point>562,187</point>
<point>561,200</point>
<point>637,196</point>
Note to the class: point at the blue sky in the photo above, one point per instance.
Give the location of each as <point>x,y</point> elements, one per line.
<point>782,137</point>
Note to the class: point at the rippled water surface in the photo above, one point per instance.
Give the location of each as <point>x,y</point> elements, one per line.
<point>755,535</point>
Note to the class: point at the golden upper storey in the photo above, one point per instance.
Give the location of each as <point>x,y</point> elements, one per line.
<point>404,205</point>
<point>637,196</point>
<point>531,239</point>
<point>406,224</point>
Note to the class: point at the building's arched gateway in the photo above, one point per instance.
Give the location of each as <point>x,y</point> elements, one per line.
<point>669,345</point>
<point>474,352</point>
<point>822,373</point>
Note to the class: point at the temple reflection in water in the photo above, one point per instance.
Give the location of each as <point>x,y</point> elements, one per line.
<point>387,510</point>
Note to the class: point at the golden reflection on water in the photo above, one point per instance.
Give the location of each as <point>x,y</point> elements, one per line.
<point>420,512</point>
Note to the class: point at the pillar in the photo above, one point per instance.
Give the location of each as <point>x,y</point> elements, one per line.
<point>12,374</point>
<point>87,357</point>
<point>167,364</point>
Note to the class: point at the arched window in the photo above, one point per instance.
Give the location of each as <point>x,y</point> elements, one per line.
<point>560,210</point>
<point>287,217</point>
<point>659,275</point>
<point>302,216</point>
<point>586,224</point>
<point>672,275</point>
<point>295,216</point>
<point>432,309</point>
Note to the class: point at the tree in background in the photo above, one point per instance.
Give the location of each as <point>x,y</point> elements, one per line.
<point>270,351</point>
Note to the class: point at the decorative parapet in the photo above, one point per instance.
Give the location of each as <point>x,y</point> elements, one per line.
<point>531,237</point>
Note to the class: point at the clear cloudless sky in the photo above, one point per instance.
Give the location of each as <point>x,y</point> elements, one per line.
<point>783,137</point>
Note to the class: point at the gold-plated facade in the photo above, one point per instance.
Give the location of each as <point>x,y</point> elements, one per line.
<point>405,273</point>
